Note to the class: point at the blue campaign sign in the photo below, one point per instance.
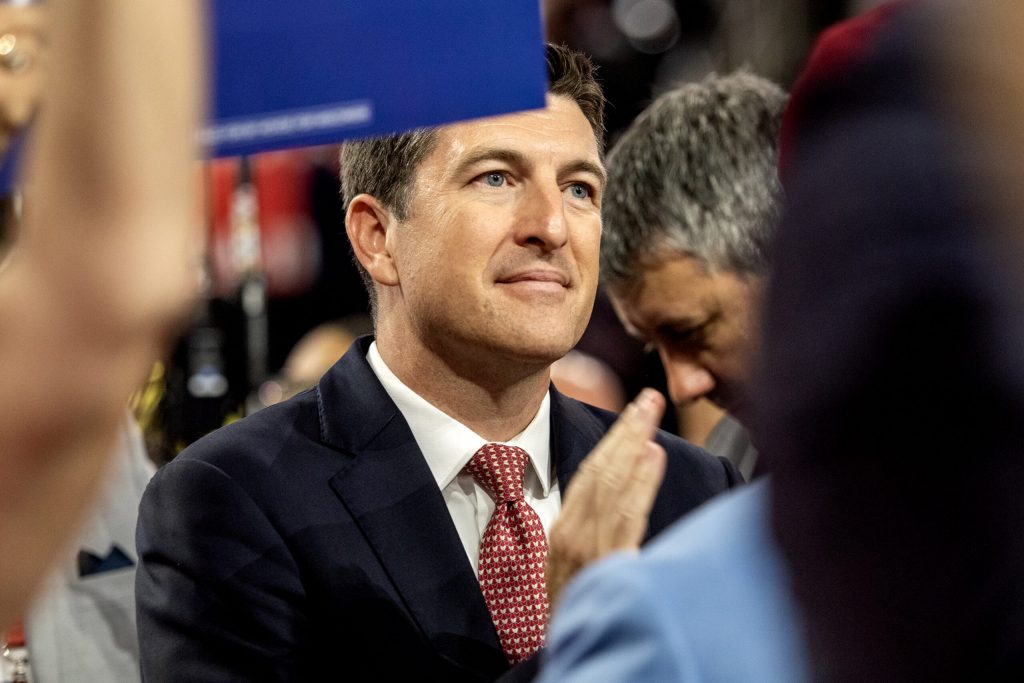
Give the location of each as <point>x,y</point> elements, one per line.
<point>291,73</point>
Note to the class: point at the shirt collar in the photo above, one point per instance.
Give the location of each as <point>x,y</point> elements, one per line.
<point>447,444</point>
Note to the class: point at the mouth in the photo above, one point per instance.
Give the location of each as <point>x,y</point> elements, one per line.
<point>540,278</point>
<point>536,286</point>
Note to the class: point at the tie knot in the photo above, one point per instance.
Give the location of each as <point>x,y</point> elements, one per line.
<point>499,469</point>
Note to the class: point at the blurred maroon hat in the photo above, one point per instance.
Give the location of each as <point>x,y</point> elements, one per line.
<point>835,52</point>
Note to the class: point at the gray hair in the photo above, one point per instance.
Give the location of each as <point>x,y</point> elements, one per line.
<point>696,174</point>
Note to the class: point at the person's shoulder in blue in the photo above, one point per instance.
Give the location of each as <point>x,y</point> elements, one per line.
<point>707,601</point>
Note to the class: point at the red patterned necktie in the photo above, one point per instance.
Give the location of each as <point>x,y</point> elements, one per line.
<point>513,552</point>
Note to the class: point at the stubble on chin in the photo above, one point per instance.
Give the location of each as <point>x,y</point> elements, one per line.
<point>543,337</point>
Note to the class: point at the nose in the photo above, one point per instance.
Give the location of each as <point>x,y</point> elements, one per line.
<point>542,220</point>
<point>687,379</point>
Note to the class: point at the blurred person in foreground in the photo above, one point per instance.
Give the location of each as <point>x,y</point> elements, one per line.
<point>103,270</point>
<point>893,395</point>
<point>692,204</point>
<point>82,623</point>
<point>380,525</point>
<point>851,561</point>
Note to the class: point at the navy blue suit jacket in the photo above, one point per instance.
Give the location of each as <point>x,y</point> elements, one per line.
<point>311,542</point>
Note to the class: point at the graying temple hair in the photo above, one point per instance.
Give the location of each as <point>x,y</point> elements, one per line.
<point>696,174</point>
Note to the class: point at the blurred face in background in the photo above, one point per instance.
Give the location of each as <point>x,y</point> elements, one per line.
<point>703,324</point>
<point>22,66</point>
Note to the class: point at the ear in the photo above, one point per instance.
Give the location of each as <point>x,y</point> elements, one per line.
<point>367,222</point>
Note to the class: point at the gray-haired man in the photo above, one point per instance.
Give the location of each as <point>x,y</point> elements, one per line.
<point>692,201</point>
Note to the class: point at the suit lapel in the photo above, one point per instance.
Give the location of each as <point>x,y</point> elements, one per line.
<point>574,433</point>
<point>392,496</point>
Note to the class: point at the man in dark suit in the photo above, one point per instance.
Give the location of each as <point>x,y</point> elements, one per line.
<point>361,530</point>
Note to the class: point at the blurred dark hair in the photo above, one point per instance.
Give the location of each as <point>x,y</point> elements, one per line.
<point>890,407</point>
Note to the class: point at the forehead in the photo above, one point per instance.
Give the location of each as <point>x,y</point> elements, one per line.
<point>560,130</point>
<point>676,289</point>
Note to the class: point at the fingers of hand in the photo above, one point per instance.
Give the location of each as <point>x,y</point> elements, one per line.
<point>603,530</point>
<point>625,529</point>
<point>651,408</point>
<point>604,467</point>
<point>611,461</point>
<point>639,421</point>
<point>560,564</point>
<point>606,505</point>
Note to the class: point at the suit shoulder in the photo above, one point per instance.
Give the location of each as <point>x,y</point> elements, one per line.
<point>708,473</point>
<point>258,437</point>
<point>585,417</point>
<point>697,461</point>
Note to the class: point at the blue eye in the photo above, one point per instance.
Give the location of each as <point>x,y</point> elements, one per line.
<point>494,179</point>
<point>579,191</point>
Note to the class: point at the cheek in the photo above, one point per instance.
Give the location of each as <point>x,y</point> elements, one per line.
<point>437,207</point>
<point>587,247</point>
<point>424,250</point>
<point>728,358</point>
<point>458,224</point>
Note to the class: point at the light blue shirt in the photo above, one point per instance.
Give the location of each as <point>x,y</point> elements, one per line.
<point>708,600</point>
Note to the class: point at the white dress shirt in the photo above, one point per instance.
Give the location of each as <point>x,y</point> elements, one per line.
<point>447,445</point>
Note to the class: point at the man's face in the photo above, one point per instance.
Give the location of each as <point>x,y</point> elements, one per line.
<point>704,326</point>
<point>500,250</point>
<point>22,62</point>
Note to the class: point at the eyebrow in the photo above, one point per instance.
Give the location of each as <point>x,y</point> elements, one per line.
<point>512,157</point>
<point>687,325</point>
<point>584,166</point>
<point>490,154</point>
